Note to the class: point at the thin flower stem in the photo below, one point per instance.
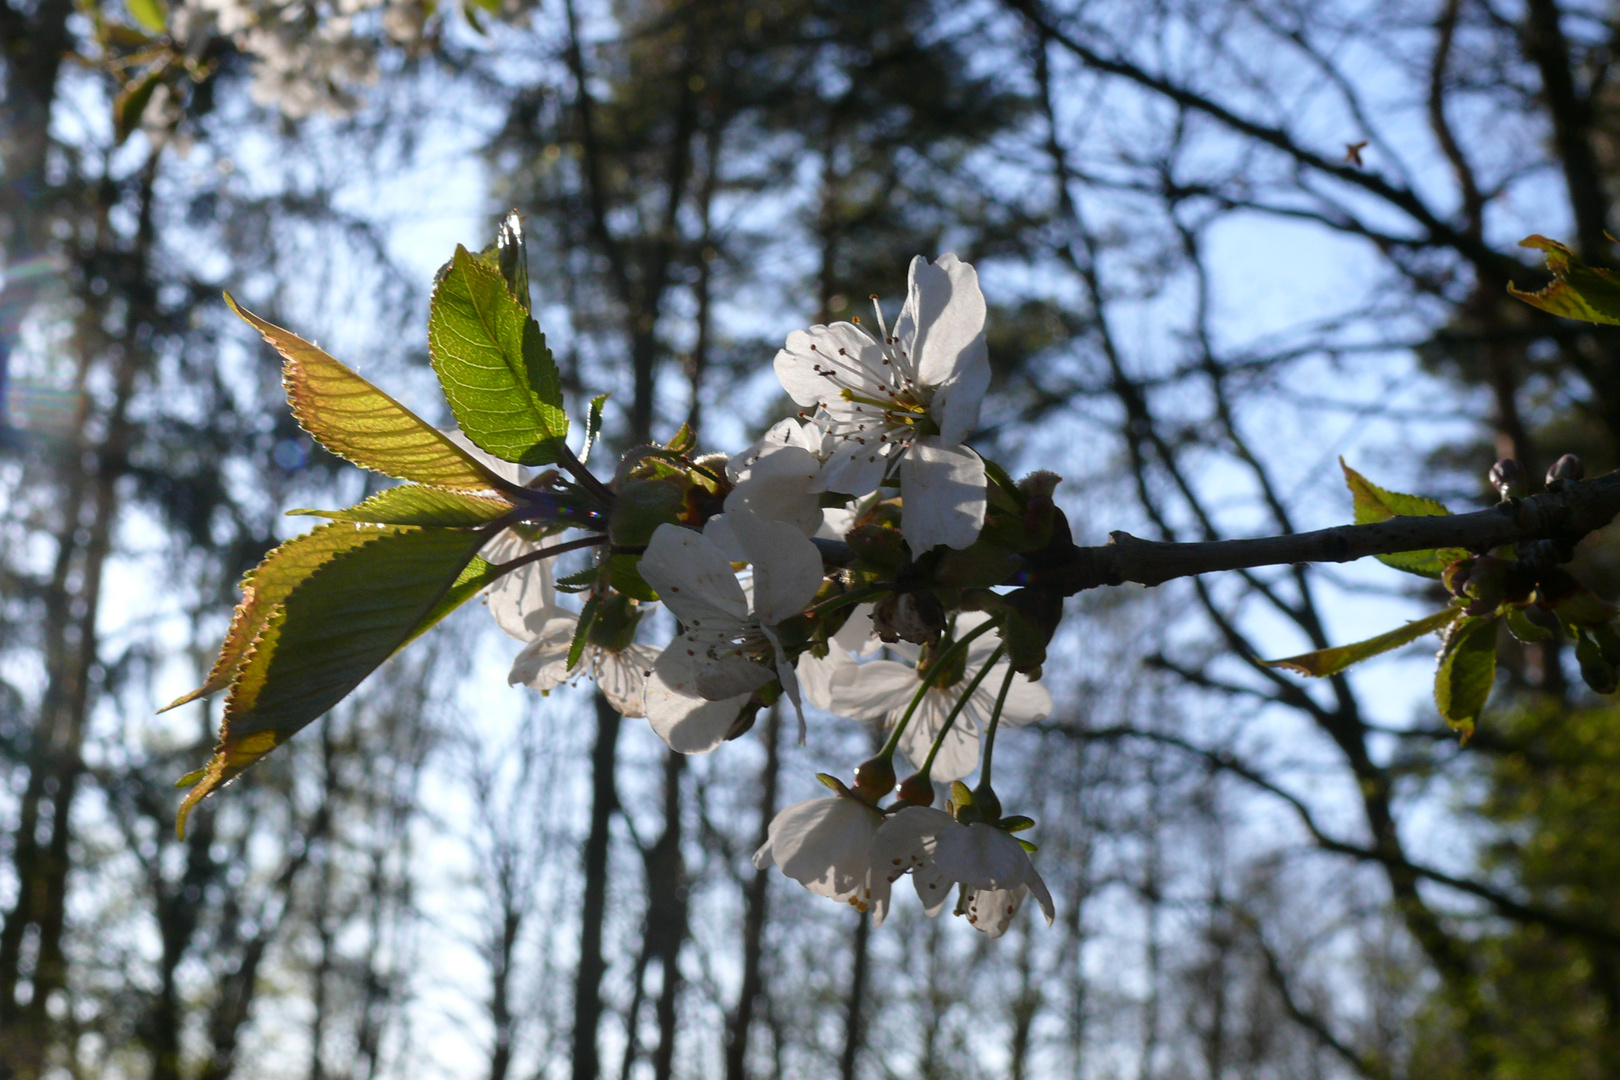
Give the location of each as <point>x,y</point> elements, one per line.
<point>995,723</point>
<point>940,663</point>
<point>546,553</point>
<point>956,710</point>
<point>843,600</point>
<point>586,478</point>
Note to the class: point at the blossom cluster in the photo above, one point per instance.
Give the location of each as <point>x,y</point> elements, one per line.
<point>307,57</point>
<point>851,560</point>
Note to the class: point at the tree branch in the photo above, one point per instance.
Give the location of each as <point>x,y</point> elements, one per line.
<point>1564,515</point>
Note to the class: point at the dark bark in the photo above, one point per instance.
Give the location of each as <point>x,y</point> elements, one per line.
<point>593,904</point>
<point>757,912</point>
<point>855,1003</point>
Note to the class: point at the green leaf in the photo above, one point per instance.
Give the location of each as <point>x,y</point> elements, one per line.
<point>508,256</point>
<point>1520,626</point>
<point>359,423</point>
<point>1467,669</point>
<point>1325,662</point>
<point>684,440</point>
<point>1374,504</point>
<point>1588,293</point>
<point>412,504</point>
<point>593,425</point>
<point>151,14</point>
<point>264,588</point>
<point>493,363</point>
<point>331,629</point>
<point>131,103</point>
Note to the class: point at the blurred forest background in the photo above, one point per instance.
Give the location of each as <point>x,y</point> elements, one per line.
<point>1224,241</point>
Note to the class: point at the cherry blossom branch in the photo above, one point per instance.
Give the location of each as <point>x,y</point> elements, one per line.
<point>1564,515</point>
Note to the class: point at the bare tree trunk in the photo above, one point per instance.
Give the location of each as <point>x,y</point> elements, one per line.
<point>593,906</point>
<point>855,1014</point>
<point>666,913</point>
<point>756,912</point>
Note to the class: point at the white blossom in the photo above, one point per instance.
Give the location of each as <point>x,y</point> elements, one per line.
<point>989,864</point>
<point>621,675</point>
<point>884,688</point>
<point>826,846</point>
<point>727,648</point>
<point>909,399</point>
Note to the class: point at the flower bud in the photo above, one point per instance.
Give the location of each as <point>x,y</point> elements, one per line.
<point>1508,479</point>
<point>879,547</point>
<point>874,779</point>
<point>1568,467</point>
<point>987,802</point>
<point>917,790</point>
<point>1032,617</point>
<point>1597,672</point>
<point>1455,576</point>
<point>909,616</point>
<point>1582,607</point>
<point>642,505</point>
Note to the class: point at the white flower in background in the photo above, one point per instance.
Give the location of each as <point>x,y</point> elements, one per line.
<point>620,674</point>
<point>884,688</point>
<point>818,674</point>
<point>726,651</point>
<point>826,846</point>
<point>912,397</point>
<point>991,866</point>
<point>528,591</point>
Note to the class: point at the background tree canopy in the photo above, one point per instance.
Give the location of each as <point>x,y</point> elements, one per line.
<point>1224,243</point>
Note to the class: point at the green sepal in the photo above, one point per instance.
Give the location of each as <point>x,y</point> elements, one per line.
<point>333,627</point>
<point>579,581</point>
<point>582,630</point>
<point>359,423</point>
<point>1325,662</point>
<point>1026,845</point>
<point>625,574</point>
<point>1374,504</point>
<point>491,358</point>
<point>1588,293</point>
<point>832,782</point>
<point>1467,668</point>
<point>413,504</point>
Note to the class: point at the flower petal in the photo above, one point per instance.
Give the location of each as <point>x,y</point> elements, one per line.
<point>809,352</point>
<point>687,723</point>
<point>854,468</point>
<point>942,495</point>
<point>622,678</point>
<point>543,663</point>
<point>693,578</point>
<point>868,691</point>
<point>943,319</point>
<point>526,590</point>
<point>787,566</point>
